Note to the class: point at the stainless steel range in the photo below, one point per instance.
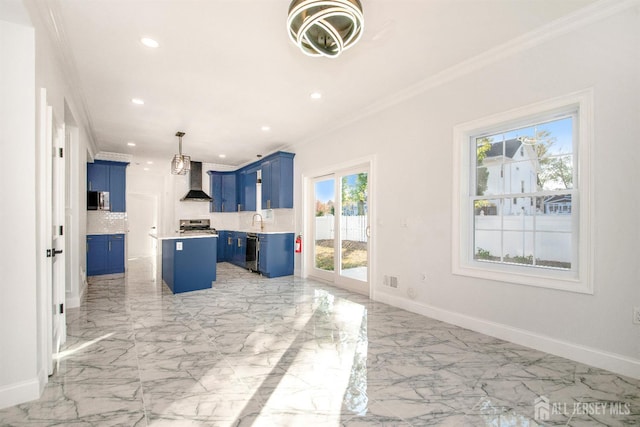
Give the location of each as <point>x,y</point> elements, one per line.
<point>196,226</point>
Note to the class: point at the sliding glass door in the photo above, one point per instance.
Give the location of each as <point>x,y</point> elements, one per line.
<point>340,226</point>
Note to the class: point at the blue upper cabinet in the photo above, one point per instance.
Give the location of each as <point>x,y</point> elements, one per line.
<point>277,181</point>
<point>236,191</point>
<point>118,187</point>
<point>248,181</point>
<point>223,192</point>
<point>97,176</point>
<point>108,176</point>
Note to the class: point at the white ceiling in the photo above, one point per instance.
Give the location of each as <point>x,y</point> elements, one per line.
<point>225,68</point>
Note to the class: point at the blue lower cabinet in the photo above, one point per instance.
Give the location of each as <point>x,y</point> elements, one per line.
<point>115,254</point>
<point>222,246</point>
<point>97,254</point>
<point>276,254</point>
<point>105,254</point>
<point>189,264</point>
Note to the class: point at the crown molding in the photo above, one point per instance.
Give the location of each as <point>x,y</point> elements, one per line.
<point>581,18</point>
<point>49,15</point>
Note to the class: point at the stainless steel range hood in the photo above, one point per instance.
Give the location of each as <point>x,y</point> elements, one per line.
<point>195,193</point>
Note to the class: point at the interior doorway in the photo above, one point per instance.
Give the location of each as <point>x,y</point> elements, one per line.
<point>142,216</point>
<point>339,221</point>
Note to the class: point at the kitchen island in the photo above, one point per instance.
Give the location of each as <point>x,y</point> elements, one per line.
<point>188,261</point>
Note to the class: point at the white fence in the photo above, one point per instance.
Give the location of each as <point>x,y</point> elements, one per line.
<point>352,228</point>
<point>552,237</point>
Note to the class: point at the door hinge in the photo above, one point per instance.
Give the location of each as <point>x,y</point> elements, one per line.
<point>61,230</point>
<point>61,308</point>
<point>61,152</point>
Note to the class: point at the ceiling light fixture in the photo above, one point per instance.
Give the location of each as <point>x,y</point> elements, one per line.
<point>316,95</point>
<point>149,42</point>
<point>222,156</point>
<point>137,101</point>
<point>180,164</point>
<point>325,27</point>
<point>131,144</point>
<point>265,128</point>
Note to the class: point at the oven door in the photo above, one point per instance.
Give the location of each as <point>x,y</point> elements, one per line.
<point>253,252</point>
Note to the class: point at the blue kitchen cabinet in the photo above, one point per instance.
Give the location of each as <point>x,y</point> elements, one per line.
<point>223,192</point>
<point>115,254</point>
<point>97,176</point>
<point>247,180</point>
<point>97,254</point>
<point>276,254</point>
<point>109,176</point>
<point>236,191</point>
<point>189,264</point>
<point>240,249</point>
<point>105,254</point>
<point>277,181</point>
<point>222,246</point>
<point>118,186</point>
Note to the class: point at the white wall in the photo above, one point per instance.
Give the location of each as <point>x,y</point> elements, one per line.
<point>23,373</point>
<point>18,300</point>
<point>412,142</point>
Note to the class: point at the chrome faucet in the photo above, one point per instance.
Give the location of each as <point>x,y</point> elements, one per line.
<point>253,221</point>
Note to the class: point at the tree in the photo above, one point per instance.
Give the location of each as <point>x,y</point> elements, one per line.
<point>551,167</point>
<point>356,193</point>
<point>482,176</point>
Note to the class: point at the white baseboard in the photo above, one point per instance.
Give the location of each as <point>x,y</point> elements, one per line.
<point>619,364</point>
<point>16,393</point>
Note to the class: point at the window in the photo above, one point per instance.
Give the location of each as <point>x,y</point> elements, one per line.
<point>522,212</point>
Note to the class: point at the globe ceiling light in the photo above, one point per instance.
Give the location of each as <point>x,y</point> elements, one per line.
<point>180,164</point>
<point>325,27</point>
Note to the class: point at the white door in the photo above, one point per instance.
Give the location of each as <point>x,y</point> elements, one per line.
<point>142,214</point>
<point>340,251</point>
<point>55,218</point>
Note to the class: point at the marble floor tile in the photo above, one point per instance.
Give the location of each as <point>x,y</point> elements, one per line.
<point>253,351</point>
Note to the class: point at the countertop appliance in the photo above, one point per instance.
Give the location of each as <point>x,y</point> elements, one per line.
<point>98,201</point>
<point>196,226</point>
<point>253,252</point>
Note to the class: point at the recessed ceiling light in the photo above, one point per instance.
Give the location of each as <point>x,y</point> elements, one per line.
<point>131,144</point>
<point>149,42</point>
<point>149,162</point>
<point>222,156</point>
<point>137,101</point>
<point>146,169</point>
<point>316,95</point>
<point>265,128</point>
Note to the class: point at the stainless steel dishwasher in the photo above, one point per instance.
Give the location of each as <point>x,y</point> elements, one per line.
<point>253,252</point>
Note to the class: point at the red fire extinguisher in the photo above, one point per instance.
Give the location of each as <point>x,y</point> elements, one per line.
<point>298,244</point>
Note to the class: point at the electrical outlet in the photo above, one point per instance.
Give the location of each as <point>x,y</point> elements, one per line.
<point>636,315</point>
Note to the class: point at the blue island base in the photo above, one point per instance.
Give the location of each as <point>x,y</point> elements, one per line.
<point>189,264</point>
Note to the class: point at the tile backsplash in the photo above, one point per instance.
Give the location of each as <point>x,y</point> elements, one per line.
<point>105,222</point>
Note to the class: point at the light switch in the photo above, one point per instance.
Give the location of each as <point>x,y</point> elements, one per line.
<point>178,246</point>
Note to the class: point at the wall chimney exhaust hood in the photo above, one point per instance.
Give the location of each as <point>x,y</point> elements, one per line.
<point>195,193</point>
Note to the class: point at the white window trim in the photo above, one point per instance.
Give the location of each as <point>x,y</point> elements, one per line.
<point>579,280</point>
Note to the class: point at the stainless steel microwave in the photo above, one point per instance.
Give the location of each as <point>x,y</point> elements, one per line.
<point>98,201</point>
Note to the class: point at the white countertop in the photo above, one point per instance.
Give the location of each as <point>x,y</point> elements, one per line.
<point>261,232</point>
<point>179,236</point>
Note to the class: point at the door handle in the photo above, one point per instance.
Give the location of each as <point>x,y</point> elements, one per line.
<point>56,252</point>
<point>368,231</point>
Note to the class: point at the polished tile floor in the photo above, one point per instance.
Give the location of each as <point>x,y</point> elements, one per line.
<point>293,352</point>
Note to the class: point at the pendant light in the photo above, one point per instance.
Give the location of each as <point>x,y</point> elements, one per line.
<point>180,164</point>
<point>325,27</point>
